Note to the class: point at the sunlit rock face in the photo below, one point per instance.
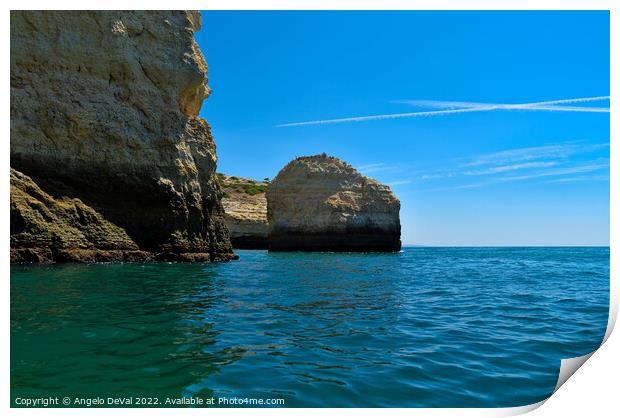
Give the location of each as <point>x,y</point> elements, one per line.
<point>321,203</point>
<point>104,109</point>
<point>245,208</point>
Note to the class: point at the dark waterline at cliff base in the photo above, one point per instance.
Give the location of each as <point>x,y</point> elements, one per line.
<point>426,327</point>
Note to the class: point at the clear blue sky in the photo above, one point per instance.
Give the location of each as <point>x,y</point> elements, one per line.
<point>484,177</point>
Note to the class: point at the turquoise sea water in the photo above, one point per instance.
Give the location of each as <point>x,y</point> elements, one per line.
<point>458,327</point>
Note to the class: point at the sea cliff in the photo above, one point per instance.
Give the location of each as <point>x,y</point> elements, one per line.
<point>245,207</point>
<point>106,142</point>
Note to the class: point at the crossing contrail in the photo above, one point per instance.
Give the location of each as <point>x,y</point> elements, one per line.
<point>448,108</point>
<point>439,104</point>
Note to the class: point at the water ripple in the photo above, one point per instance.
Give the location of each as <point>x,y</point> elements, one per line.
<point>476,327</point>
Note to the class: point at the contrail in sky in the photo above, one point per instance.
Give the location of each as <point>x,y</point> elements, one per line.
<point>438,104</point>
<point>466,107</point>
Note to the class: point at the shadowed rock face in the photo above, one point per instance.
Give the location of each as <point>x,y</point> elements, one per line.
<point>104,109</point>
<point>44,228</point>
<point>321,203</point>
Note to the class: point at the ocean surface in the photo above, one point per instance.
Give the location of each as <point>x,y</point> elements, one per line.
<point>426,327</point>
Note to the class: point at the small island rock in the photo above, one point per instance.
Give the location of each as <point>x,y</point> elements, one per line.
<point>321,203</point>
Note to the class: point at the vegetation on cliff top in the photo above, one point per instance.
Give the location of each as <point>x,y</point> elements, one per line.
<point>233,184</point>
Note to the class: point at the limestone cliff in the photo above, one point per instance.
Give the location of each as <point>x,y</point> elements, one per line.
<point>104,111</point>
<point>245,207</point>
<point>321,203</point>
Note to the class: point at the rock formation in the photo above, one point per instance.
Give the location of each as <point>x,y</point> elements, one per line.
<point>321,203</point>
<point>65,229</point>
<point>104,120</point>
<point>245,207</point>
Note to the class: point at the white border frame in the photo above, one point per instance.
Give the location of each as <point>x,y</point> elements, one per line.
<point>599,377</point>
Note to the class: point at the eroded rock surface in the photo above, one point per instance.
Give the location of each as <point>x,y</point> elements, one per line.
<point>44,229</point>
<point>245,207</point>
<point>104,109</point>
<point>320,203</point>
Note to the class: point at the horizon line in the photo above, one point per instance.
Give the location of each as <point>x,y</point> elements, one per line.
<point>510,246</point>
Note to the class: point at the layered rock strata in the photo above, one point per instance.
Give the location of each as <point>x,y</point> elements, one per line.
<point>245,207</point>
<point>104,109</point>
<point>320,203</point>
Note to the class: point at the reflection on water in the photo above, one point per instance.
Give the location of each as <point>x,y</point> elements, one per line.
<point>424,327</point>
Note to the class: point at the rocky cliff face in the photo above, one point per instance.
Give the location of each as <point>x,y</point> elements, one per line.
<point>321,203</point>
<point>104,111</point>
<point>44,228</point>
<point>245,207</point>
